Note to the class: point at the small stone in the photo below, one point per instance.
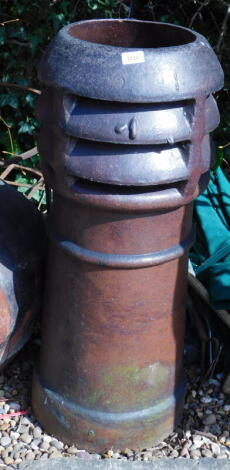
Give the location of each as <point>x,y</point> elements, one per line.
<point>174,453</point>
<point>22,429</point>
<point>209,419</point>
<point>215,449</point>
<point>128,452</point>
<point>14,406</point>
<point>46,438</point>
<point>195,454</point>
<point>26,421</point>
<point>52,449</point>
<point>206,453</point>
<point>5,453</point>
<point>55,455</point>
<point>35,444</point>
<point>226,407</point>
<point>184,450</point>
<point>30,455</point>
<point>58,444</point>
<point>8,461</point>
<point>4,426</point>
<point>44,445</point>
<point>198,441</point>
<point>220,402</point>
<point>18,446</point>
<point>110,453</point>
<point>14,435</point>
<point>206,400</point>
<point>147,456</point>
<point>25,437</point>
<point>215,429</point>
<point>5,441</point>
<point>37,432</point>
<point>72,450</point>
<point>226,433</point>
<point>226,386</point>
<point>17,461</point>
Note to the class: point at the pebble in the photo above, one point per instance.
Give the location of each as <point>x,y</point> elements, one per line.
<point>37,432</point>
<point>4,426</point>
<point>215,449</point>
<point>74,450</point>
<point>14,406</point>
<point>55,455</point>
<point>8,461</point>
<point>184,450</point>
<point>25,437</point>
<point>58,444</point>
<point>195,454</point>
<point>30,455</point>
<point>206,453</point>
<point>200,440</point>
<point>14,434</point>
<point>44,445</point>
<point>128,452</point>
<point>209,419</point>
<point>5,441</point>
<point>206,400</point>
<point>174,453</point>
<point>226,386</point>
<point>35,444</point>
<point>22,429</point>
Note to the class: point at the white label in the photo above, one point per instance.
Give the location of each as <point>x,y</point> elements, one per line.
<point>135,57</point>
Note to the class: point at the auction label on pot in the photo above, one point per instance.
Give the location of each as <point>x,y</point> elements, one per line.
<point>134,57</point>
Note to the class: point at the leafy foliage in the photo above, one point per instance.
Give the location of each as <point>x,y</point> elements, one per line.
<point>27,26</point>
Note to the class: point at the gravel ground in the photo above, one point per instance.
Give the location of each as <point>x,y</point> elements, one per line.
<point>204,432</point>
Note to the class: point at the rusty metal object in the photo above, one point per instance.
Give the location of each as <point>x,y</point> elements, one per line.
<point>126,115</point>
<point>22,244</point>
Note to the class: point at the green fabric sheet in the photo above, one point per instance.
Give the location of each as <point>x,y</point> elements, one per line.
<point>210,254</point>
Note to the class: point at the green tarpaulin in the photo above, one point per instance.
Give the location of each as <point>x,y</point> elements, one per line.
<point>210,254</point>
